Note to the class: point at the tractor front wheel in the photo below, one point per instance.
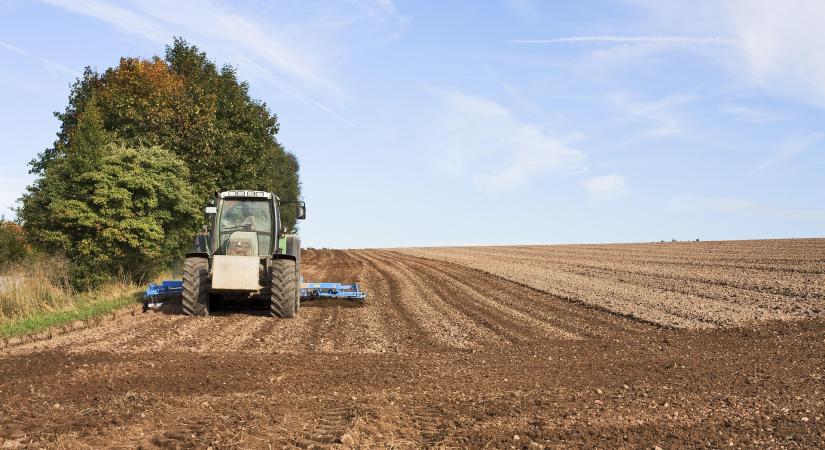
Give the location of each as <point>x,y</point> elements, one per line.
<point>195,298</point>
<point>283,300</point>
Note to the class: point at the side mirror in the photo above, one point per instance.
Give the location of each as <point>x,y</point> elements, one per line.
<point>302,211</point>
<point>210,210</point>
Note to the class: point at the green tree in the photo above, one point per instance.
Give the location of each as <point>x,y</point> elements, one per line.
<point>239,149</point>
<point>186,104</point>
<point>111,209</point>
<point>141,147</point>
<point>133,214</point>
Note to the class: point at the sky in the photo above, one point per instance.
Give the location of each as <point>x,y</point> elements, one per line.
<point>422,123</point>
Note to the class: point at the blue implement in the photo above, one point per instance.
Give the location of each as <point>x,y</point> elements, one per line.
<point>311,291</point>
<point>156,293</point>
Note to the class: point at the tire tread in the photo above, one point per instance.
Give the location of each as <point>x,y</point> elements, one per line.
<point>195,295</point>
<point>283,286</point>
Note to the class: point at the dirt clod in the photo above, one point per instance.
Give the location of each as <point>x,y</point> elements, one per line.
<point>347,440</point>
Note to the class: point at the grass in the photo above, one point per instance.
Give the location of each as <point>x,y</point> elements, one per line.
<point>46,319</point>
<point>35,294</point>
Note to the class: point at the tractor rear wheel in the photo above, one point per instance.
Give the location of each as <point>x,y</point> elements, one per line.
<point>283,300</point>
<point>195,298</point>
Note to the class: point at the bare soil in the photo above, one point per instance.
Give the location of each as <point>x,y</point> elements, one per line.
<point>441,354</point>
<point>683,285</point>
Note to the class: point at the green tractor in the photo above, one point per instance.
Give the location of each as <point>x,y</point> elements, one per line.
<point>244,254</point>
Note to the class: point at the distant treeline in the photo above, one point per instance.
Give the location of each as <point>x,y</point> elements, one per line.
<point>141,149</point>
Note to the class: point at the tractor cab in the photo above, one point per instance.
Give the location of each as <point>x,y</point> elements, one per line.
<point>245,226</point>
<point>245,223</point>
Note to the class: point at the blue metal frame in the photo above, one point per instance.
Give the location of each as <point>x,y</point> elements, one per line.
<point>164,290</point>
<point>310,291</point>
<point>156,293</point>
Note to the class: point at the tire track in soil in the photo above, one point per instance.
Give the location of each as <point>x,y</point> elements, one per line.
<point>742,278</point>
<point>325,268</point>
<point>234,332</point>
<point>557,316</point>
<point>345,326</point>
<point>384,293</point>
<point>477,307</point>
<point>620,298</point>
<point>438,322</point>
<point>688,280</point>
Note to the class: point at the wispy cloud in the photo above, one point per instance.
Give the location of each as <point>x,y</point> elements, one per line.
<point>484,141</point>
<point>606,187</point>
<point>792,147</point>
<point>13,48</point>
<point>658,117</point>
<point>751,115</point>
<point>386,13</point>
<point>52,67</point>
<point>524,9</point>
<point>333,113</point>
<point>783,45</point>
<point>704,40</point>
<point>296,57</point>
<point>692,203</point>
<point>58,69</point>
<point>779,46</point>
<point>159,21</point>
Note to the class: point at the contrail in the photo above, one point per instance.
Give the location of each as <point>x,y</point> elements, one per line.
<point>630,39</point>
<point>333,113</point>
<point>13,48</point>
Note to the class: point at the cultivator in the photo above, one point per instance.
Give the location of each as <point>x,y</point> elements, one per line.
<point>311,291</point>
<point>157,294</point>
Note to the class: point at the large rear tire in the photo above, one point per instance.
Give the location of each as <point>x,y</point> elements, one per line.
<point>195,296</point>
<point>283,300</point>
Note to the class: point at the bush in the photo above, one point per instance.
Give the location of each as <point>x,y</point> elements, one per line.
<point>129,214</point>
<point>13,245</point>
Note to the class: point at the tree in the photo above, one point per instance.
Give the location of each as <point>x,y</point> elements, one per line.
<point>185,104</point>
<point>239,149</point>
<point>133,215</point>
<point>141,148</point>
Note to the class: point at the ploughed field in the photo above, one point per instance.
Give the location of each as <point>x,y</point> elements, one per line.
<point>683,285</point>
<point>714,344</point>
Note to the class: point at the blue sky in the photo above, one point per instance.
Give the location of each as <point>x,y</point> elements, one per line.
<point>511,121</point>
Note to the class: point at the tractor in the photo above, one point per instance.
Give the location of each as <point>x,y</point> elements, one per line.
<point>244,254</point>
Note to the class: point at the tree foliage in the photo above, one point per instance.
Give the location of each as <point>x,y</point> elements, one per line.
<point>142,143</point>
<point>13,244</point>
<point>186,104</point>
<point>111,209</point>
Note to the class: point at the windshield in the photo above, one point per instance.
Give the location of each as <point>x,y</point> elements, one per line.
<point>247,215</point>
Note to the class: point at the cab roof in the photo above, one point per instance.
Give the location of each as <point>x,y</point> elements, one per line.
<point>247,194</point>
